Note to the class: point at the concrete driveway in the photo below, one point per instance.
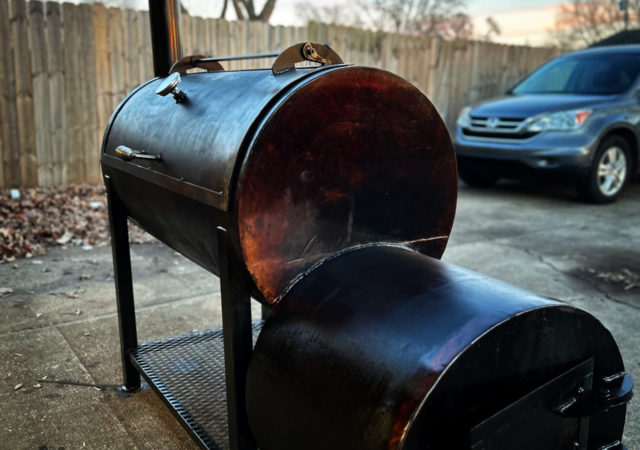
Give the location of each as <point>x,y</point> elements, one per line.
<point>59,361</point>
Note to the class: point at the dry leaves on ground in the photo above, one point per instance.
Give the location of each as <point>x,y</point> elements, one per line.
<point>69,215</point>
<point>625,277</point>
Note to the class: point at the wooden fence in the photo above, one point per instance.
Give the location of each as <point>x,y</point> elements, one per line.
<point>64,68</point>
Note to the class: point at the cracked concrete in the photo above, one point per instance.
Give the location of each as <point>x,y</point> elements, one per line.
<point>59,359</point>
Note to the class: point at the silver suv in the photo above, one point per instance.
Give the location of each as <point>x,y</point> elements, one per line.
<point>577,116</point>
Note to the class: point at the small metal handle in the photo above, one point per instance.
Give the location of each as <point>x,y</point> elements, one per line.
<point>196,61</point>
<point>126,154</point>
<point>170,86</point>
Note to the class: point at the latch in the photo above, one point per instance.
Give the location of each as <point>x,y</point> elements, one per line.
<point>613,390</point>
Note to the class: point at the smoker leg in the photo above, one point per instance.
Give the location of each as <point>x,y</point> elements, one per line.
<point>265,310</point>
<point>124,286</point>
<point>236,331</point>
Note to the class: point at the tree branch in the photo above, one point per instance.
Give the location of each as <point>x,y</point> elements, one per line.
<point>239,13</point>
<point>267,10</point>
<point>224,9</point>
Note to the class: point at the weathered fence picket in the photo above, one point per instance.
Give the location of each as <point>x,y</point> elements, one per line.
<point>24,157</point>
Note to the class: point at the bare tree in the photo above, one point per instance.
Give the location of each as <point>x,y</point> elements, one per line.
<point>583,22</point>
<point>493,29</point>
<point>332,14</point>
<point>445,18</point>
<point>224,8</point>
<point>246,10</point>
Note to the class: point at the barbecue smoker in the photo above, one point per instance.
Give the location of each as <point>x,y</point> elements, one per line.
<point>328,194</point>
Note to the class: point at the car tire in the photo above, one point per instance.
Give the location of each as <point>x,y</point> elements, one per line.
<point>609,172</point>
<point>475,179</point>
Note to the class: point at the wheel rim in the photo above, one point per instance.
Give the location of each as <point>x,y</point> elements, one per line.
<point>612,171</point>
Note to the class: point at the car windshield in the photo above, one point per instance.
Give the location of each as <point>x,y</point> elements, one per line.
<point>591,74</point>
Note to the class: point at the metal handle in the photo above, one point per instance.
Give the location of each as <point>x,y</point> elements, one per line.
<point>305,51</point>
<point>193,61</point>
<point>125,153</point>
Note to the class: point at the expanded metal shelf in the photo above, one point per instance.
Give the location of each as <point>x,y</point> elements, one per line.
<point>188,374</point>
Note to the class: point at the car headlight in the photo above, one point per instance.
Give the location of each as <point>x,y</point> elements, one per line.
<point>464,118</point>
<point>560,121</point>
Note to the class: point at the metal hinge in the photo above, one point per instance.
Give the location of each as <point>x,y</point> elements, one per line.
<point>305,51</point>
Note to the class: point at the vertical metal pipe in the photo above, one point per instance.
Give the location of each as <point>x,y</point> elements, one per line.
<point>165,34</point>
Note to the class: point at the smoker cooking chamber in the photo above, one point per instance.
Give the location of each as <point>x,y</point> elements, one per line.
<point>297,167</point>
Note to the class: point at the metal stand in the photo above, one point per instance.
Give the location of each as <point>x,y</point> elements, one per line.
<point>172,366</point>
<point>238,344</point>
<point>124,286</point>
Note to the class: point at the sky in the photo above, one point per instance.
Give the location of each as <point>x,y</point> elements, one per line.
<point>522,22</point>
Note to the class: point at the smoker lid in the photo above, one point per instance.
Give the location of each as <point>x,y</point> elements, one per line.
<point>200,141</point>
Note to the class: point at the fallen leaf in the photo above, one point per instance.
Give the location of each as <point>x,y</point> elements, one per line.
<point>32,219</point>
<point>5,290</point>
<point>623,276</point>
<point>66,237</point>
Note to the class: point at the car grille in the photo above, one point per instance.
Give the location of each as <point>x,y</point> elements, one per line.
<point>497,128</point>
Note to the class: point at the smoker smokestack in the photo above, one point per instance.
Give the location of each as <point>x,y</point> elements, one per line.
<point>165,34</point>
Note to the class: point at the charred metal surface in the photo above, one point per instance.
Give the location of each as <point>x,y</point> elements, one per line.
<point>384,348</point>
<point>364,158</point>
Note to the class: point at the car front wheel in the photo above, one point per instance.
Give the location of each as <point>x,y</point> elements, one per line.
<point>609,173</point>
